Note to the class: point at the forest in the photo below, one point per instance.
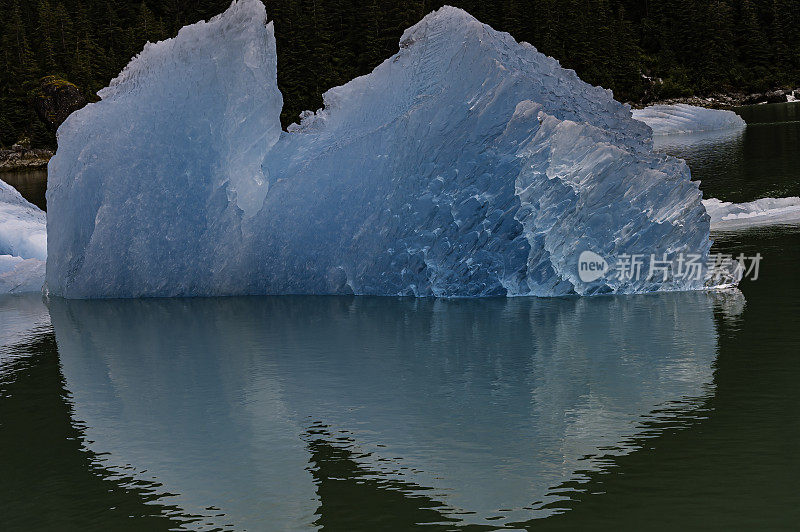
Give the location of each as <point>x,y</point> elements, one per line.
<point>644,50</point>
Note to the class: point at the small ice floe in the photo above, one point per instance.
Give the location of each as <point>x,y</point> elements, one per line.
<point>766,211</point>
<point>682,118</point>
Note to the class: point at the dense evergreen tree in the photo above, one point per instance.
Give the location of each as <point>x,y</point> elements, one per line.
<point>692,46</point>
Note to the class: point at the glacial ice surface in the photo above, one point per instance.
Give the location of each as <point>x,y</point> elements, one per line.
<point>766,211</point>
<point>23,243</point>
<point>467,164</point>
<point>683,118</point>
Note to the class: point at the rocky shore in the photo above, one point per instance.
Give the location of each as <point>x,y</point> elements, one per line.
<point>728,100</point>
<point>18,158</point>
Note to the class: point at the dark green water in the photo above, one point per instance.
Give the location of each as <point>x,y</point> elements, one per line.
<point>640,412</point>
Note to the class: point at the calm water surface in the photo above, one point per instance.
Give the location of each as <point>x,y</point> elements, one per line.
<point>336,413</point>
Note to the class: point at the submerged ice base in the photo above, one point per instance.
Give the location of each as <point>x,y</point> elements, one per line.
<point>465,165</point>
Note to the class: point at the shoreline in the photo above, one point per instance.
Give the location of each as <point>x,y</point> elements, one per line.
<point>727,100</point>
<point>20,160</point>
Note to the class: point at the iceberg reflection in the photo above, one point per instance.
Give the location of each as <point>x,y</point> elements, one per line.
<point>688,145</point>
<point>22,317</point>
<point>484,405</point>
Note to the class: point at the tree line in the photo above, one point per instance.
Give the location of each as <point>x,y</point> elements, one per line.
<point>641,49</point>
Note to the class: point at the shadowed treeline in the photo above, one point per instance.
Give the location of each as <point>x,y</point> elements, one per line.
<point>692,46</point>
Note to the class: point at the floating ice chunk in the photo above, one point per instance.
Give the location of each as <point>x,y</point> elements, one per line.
<point>467,164</point>
<point>23,243</point>
<point>766,211</point>
<point>682,118</point>
<point>23,230</point>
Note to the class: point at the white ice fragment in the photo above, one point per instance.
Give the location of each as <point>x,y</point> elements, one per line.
<point>682,118</point>
<point>23,231</point>
<point>766,211</point>
<point>23,243</point>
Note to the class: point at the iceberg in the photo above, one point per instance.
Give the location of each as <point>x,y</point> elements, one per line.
<point>726,216</point>
<point>23,243</point>
<point>465,165</point>
<point>23,231</point>
<point>683,118</point>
